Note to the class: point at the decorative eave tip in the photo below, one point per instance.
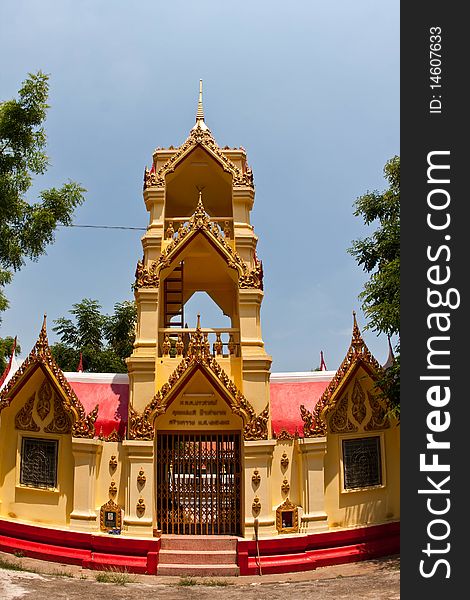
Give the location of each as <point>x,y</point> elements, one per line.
<point>200,111</point>
<point>391,357</point>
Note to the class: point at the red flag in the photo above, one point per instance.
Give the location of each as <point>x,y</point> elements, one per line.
<point>8,367</point>
<point>80,364</point>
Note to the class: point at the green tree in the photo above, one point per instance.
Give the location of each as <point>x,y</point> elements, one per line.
<point>26,228</point>
<point>6,345</point>
<point>103,341</point>
<point>379,255</point>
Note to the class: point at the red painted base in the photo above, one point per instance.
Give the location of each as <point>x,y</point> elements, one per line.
<point>85,549</point>
<point>307,552</point>
<point>277,555</point>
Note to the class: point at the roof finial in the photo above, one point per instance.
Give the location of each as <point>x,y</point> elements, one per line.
<point>200,111</point>
<point>200,108</point>
<point>391,357</point>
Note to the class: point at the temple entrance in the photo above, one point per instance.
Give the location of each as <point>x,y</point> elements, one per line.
<point>198,483</point>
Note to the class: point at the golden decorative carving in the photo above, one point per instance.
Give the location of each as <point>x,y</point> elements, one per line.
<point>232,347</point>
<point>24,419</point>
<point>257,427</point>
<point>141,479</point>
<point>113,436</point>
<point>218,346</point>
<point>146,276</point>
<point>358,407</point>
<point>113,463</point>
<point>252,278</point>
<point>284,461</point>
<point>285,487</point>
<point>379,418</point>
<point>140,428</point>
<point>199,354</point>
<point>256,477</point>
<point>170,231</point>
<point>140,508</point>
<point>287,517</point>
<point>61,422</point>
<point>256,506</point>
<point>85,427</point>
<point>312,427</point>
<point>43,405</point>
<point>202,137</point>
<point>285,435</point>
<point>166,346</point>
<point>107,523</point>
<point>41,356</point>
<point>358,352</point>
<point>179,345</point>
<point>339,420</point>
<point>112,489</point>
<point>200,221</point>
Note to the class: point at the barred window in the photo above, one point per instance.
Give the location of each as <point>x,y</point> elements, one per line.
<point>39,462</point>
<point>362,463</point>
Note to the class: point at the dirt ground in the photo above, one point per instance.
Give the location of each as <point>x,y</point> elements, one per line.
<point>37,580</point>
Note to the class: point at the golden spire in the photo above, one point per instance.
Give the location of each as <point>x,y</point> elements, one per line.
<point>357,342</point>
<point>200,108</point>
<point>200,111</point>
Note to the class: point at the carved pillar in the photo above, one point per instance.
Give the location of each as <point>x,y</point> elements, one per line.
<point>139,513</point>
<point>312,451</point>
<point>258,493</point>
<point>85,453</point>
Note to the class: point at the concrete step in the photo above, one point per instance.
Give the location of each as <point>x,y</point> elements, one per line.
<point>191,570</point>
<point>198,543</point>
<point>200,557</point>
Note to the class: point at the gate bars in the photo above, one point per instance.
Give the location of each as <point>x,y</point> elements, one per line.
<point>198,483</point>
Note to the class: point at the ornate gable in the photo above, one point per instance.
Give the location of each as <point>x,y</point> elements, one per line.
<point>199,357</point>
<point>333,398</point>
<point>199,223</point>
<point>198,137</point>
<point>41,357</point>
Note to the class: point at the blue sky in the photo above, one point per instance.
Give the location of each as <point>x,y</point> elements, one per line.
<point>310,89</point>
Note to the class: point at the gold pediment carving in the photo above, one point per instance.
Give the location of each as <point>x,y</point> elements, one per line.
<point>41,357</point>
<point>203,138</point>
<point>198,357</point>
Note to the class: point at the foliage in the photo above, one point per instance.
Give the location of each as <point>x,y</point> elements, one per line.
<point>379,255</point>
<point>116,576</point>
<point>27,228</point>
<point>104,341</point>
<point>6,345</point>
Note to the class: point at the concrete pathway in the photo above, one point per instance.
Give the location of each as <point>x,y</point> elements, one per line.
<point>369,580</point>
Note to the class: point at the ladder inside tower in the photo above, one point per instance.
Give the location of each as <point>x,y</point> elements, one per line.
<point>173,298</point>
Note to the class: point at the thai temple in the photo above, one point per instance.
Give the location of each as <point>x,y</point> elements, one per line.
<point>199,460</point>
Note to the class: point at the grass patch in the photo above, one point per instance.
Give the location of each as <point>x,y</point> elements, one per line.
<point>18,553</point>
<point>61,574</point>
<point>189,581</point>
<point>186,581</point>
<point>115,576</point>
<point>11,565</point>
<point>216,582</point>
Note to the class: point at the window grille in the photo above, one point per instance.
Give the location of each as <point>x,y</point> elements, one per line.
<point>362,462</point>
<point>39,463</point>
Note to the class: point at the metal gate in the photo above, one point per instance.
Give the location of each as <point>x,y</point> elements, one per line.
<point>198,483</point>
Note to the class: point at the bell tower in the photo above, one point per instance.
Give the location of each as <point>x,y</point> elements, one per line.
<point>199,394</point>
<point>199,238</point>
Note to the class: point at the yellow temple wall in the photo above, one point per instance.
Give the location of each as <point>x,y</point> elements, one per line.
<point>28,504</point>
<point>374,505</point>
